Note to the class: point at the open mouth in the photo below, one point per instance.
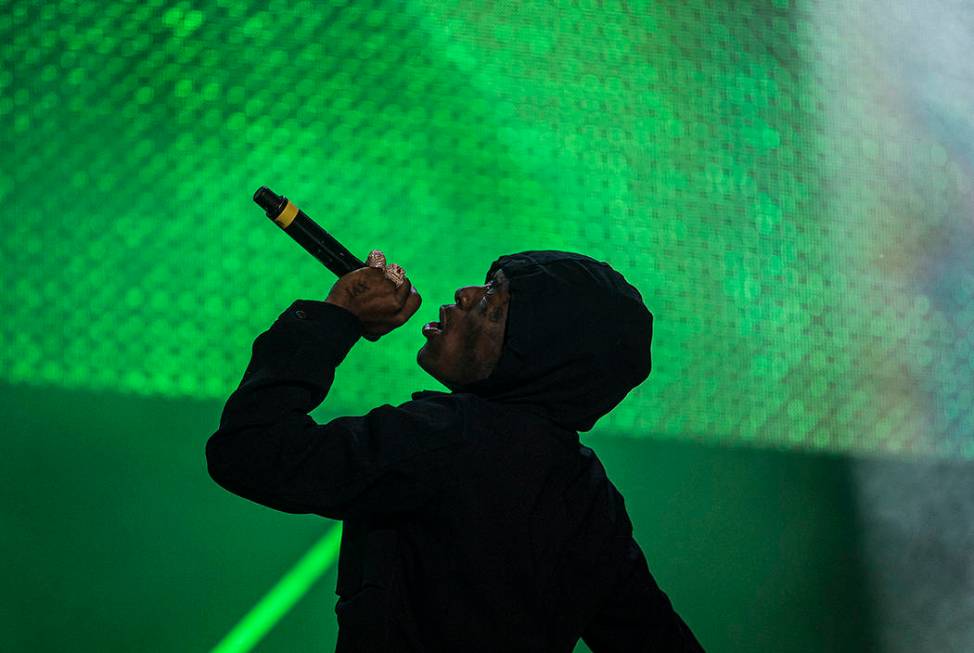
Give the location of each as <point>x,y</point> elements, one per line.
<point>435,328</point>
<point>432,329</point>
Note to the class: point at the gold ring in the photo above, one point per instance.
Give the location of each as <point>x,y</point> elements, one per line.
<point>395,273</point>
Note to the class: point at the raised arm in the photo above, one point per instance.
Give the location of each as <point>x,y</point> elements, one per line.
<point>269,450</point>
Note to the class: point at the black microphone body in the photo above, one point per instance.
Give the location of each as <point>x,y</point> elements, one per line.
<point>295,223</point>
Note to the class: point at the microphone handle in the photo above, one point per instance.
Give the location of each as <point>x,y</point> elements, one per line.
<point>295,223</point>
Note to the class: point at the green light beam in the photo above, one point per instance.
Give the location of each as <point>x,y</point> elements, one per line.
<point>283,596</point>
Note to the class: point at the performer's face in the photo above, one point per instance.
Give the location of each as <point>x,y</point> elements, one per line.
<point>468,344</point>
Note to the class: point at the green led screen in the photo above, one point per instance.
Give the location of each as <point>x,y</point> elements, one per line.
<point>795,209</point>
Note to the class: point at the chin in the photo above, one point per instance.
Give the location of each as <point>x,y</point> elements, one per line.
<point>422,361</point>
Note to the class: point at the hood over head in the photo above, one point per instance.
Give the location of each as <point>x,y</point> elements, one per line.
<point>577,338</point>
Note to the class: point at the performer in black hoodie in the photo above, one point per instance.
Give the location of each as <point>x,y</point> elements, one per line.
<point>474,520</point>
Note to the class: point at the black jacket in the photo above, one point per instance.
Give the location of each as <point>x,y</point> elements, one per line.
<point>473,520</point>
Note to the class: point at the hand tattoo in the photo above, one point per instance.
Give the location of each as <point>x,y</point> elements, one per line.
<point>359,288</point>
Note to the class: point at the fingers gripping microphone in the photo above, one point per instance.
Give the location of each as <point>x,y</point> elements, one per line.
<point>306,232</point>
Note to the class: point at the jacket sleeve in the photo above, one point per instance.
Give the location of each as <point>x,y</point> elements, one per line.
<point>270,451</point>
<point>638,616</point>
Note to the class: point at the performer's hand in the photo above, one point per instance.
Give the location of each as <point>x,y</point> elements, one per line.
<point>372,295</point>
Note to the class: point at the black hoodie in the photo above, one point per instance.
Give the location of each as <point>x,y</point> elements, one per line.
<point>473,520</point>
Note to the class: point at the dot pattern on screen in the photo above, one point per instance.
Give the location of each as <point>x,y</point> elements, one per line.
<point>797,245</point>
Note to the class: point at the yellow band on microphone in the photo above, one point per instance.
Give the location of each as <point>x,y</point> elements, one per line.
<point>287,215</point>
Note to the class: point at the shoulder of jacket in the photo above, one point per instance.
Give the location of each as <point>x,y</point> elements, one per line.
<point>441,407</point>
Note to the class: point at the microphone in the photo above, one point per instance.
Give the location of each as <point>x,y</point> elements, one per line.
<point>306,232</point>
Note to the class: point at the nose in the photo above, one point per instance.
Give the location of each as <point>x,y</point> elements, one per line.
<point>464,296</point>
